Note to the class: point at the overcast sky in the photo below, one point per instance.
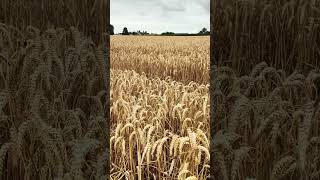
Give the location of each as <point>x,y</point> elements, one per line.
<point>157,16</point>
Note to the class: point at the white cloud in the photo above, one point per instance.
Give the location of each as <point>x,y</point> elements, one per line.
<point>158,16</point>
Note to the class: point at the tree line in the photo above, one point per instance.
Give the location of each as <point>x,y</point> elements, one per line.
<point>125,31</point>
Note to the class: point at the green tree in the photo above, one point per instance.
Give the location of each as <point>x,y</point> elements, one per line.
<point>167,33</point>
<point>125,31</point>
<point>204,31</point>
<point>111,29</point>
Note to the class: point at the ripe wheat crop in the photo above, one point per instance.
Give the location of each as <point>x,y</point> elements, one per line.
<point>185,59</point>
<point>284,33</point>
<point>90,16</point>
<point>52,105</point>
<point>266,124</point>
<point>266,101</point>
<point>160,107</point>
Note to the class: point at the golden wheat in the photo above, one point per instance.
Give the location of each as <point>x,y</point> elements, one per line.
<point>156,88</point>
<point>185,59</point>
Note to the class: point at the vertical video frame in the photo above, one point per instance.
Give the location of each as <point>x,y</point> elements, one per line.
<point>159,58</point>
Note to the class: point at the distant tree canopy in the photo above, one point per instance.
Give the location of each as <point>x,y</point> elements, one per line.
<point>140,33</point>
<point>125,31</point>
<point>111,29</point>
<point>204,31</point>
<point>167,33</point>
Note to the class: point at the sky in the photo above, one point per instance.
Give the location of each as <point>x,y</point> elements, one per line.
<point>157,16</point>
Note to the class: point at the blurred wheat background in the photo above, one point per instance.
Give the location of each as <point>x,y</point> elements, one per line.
<point>264,89</point>
<point>283,33</point>
<point>90,16</point>
<point>53,89</point>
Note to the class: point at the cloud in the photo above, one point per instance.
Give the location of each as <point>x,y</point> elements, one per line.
<point>168,6</point>
<point>205,5</point>
<point>160,15</point>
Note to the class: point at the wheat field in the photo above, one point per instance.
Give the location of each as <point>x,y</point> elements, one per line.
<point>53,106</point>
<point>266,124</point>
<point>185,59</point>
<point>265,101</point>
<point>160,107</point>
